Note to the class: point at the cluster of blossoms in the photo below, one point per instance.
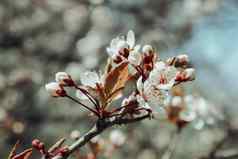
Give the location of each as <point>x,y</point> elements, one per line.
<point>153,96</point>
<point>154,79</point>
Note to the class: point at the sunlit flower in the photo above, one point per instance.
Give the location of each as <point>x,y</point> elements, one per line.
<point>120,43</point>
<point>155,88</point>
<point>122,48</point>
<point>55,90</point>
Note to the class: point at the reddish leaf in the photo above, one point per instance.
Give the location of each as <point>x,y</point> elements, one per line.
<point>115,81</point>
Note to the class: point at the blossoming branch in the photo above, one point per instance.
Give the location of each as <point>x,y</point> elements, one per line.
<point>152,98</point>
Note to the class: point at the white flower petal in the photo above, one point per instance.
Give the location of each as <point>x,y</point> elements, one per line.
<point>190,73</point>
<point>137,48</point>
<point>147,48</point>
<point>52,88</point>
<point>114,43</point>
<point>130,38</point>
<point>134,58</point>
<point>183,57</point>
<point>139,85</point>
<point>142,102</point>
<point>90,79</point>
<point>60,76</point>
<point>155,96</point>
<point>110,51</point>
<point>159,66</point>
<point>122,44</point>
<point>166,86</point>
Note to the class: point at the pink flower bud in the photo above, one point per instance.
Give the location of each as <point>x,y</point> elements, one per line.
<point>64,79</point>
<point>183,58</point>
<point>190,74</point>
<point>55,90</point>
<point>147,49</point>
<point>35,143</point>
<point>186,75</point>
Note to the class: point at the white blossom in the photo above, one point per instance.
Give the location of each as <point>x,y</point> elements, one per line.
<point>156,88</point>
<point>163,76</point>
<point>119,43</point>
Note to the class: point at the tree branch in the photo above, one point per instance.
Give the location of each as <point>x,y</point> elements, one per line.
<point>97,129</point>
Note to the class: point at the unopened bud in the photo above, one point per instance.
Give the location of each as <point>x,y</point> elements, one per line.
<point>186,75</point>
<point>55,90</point>
<point>183,58</point>
<point>64,79</point>
<point>147,49</point>
<point>63,151</point>
<point>35,143</point>
<point>190,74</point>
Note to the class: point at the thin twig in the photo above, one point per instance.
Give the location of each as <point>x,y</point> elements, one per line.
<point>97,129</point>
<point>89,96</point>
<point>85,106</point>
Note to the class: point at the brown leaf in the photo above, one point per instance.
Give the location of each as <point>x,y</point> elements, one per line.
<point>115,81</point>
<point>102,95</point>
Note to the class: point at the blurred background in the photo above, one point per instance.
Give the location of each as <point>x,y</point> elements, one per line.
<point>41,37</point>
